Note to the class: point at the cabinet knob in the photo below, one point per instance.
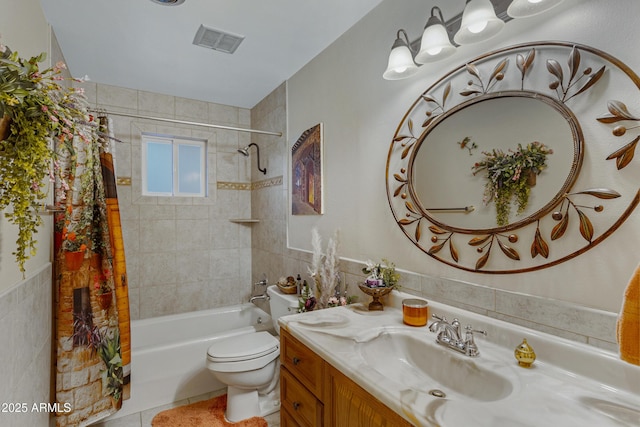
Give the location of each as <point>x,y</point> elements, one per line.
<point>296,361</point>
<point>296,405</point>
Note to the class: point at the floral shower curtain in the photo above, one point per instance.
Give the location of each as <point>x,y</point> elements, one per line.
<point>92,307</point>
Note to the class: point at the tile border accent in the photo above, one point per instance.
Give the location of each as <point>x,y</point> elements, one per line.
<point>227,185</point>
<point>256,185</point>
<point>269,182</point>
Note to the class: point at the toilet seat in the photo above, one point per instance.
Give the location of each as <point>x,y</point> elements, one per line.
<point>243,352</point>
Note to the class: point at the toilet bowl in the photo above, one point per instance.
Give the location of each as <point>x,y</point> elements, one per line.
<point>249,365</point>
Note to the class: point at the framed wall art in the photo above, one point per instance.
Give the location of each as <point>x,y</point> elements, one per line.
<point>306,173</point>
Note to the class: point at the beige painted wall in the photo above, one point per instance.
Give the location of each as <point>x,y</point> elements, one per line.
<point>343,88</point>
<point>24,29</point>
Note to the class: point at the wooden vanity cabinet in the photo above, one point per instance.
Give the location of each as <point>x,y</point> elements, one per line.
<point>302,376</point>
<point>314,393</point>
<point>351,405</point>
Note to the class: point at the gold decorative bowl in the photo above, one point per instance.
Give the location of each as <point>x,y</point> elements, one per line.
<point>288,289</point>
<point>376,294</point>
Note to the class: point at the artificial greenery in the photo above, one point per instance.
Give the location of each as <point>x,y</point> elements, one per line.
<point>385,271</point>
<point>468,144</point>
<point>41,113</point>
<point>507,176</point>
<point>306,302</point>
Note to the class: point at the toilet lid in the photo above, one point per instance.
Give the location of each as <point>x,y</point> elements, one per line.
<point>242,347</point>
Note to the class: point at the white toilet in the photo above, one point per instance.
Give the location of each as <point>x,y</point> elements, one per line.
<point>249,364</point>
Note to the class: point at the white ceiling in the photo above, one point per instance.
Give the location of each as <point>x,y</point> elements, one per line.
<point>143,45</point>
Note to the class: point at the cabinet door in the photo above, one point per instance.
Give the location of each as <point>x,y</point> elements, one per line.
<point>287,420</point>
<point>352,406</point>
<point>298,402</point>
<point>302,362</point>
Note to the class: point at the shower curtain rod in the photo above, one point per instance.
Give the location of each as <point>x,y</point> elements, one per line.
<point>185,122</point>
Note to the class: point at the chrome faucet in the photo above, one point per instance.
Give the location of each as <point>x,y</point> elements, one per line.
<point>450,335</point>
<point>263,295</point>
<point>471,349</point>
<point>257,297</point>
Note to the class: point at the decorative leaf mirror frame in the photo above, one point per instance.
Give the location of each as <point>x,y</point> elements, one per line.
<point>571,98</point>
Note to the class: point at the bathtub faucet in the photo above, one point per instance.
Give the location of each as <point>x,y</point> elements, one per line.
<point>257,297</point>
<point>264,296</point>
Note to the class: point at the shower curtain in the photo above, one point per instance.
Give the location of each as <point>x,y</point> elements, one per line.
<point>92,307</point>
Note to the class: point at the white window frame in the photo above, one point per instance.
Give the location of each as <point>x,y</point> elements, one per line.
<point>175,142</point>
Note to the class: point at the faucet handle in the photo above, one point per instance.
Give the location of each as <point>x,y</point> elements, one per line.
<point>470,330</point>
<point>262,282</point>
<point>440,318</point>
<point>471,349</point>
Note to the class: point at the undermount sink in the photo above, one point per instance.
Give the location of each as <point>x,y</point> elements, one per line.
<point>418,363</point>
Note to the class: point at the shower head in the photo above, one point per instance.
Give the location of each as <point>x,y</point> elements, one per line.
<point>245,152</point>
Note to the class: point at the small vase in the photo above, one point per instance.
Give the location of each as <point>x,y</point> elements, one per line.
<point>74,260</point>
<point>104,300</point>
<point>531,177</point>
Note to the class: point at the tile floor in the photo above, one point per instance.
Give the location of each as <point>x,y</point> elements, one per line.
<point>143,419</point>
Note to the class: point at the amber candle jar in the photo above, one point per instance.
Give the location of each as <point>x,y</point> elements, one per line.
<point>415,312</point>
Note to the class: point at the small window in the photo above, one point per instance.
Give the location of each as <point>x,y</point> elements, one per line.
<point>173,166</point>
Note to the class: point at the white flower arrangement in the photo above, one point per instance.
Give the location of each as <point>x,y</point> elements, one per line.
<point>325,268</point>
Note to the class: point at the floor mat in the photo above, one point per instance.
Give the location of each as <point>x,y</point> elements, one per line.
<point>208,413</point>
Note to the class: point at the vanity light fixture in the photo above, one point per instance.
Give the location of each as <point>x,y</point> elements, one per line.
<point>524,8</point>
<point>479,22</point>
<point>401,64</point>
<point>435,43</point>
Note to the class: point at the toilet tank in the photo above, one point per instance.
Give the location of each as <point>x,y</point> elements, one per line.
<point>281,304</point>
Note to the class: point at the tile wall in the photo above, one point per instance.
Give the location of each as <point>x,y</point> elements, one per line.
<point>183,254</point>
<point>25,349</point>
<point>269,237</point>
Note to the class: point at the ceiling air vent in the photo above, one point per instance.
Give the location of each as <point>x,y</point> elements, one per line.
<point>168,2</point>
<point>217,40</point>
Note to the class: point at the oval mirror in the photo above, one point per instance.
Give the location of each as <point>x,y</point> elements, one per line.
<point>495,122</point>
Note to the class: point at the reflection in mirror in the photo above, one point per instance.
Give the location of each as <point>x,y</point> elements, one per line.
<point>492,123</point>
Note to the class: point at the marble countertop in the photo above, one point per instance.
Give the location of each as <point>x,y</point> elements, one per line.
<point>570,384</point>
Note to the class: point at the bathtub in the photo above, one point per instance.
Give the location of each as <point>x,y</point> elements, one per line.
<point>168,353</point>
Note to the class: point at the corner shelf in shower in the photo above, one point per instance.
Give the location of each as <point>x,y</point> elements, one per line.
<point>244,220</point>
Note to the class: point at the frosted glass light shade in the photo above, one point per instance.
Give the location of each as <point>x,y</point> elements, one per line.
<point>524,8</point>
<point>400,64</point>
<point>479,23</point>
<point>435,44</point>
